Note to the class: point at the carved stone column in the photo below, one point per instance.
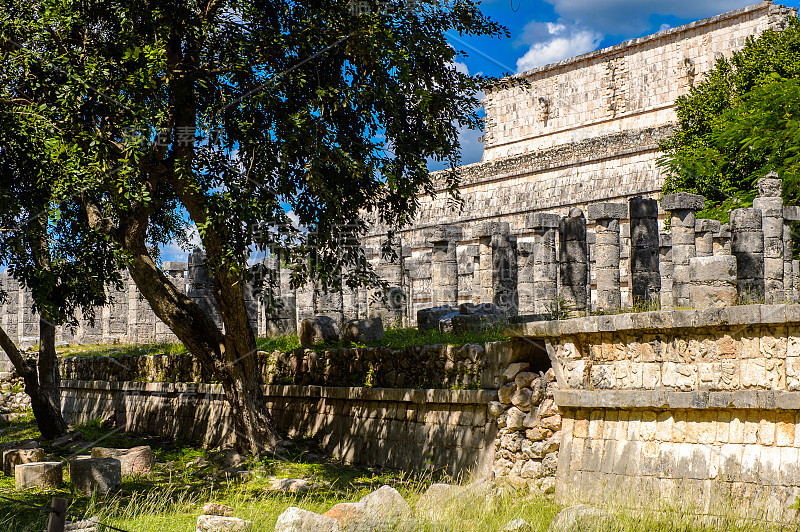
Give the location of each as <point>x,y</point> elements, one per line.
<point>770,204</point>
<point>747,245</point>
<point>645,280</point>
<point>704,230</point>
<point>545,267</point>
<point>573,259</point>
<point>682,207</point>
<point>606,217</point>
<point>444,263</point>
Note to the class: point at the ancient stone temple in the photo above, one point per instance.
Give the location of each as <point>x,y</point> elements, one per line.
<point>562,206</point>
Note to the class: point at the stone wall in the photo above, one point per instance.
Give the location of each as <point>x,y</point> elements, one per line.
<point>471,366</point>
<point>445,431</point>
<point>624,87</point>
<point>698,405</point>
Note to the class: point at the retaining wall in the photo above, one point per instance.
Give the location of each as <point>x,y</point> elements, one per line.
<point>439,430</point>
<point>696,404</point>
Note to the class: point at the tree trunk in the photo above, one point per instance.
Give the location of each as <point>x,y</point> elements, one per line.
<point>48,415</point>
<point>231,357</point>
<point>50,379</point>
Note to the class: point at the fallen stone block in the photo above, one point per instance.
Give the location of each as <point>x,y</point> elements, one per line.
<point>428,318</point>
<point>218,523</point>
<point>38,475</point>
<point>215,508</point>
<point>298,520</point>
<point>95,474</point>
<point>578,518</point>
<point>363,331</point>
<point>291,485</point>
<point>84,525</point>
<point>350,515</point>
<point>387,504</point>
<point>317,330</point>
<point>136,460</point>
<point>12,457</point>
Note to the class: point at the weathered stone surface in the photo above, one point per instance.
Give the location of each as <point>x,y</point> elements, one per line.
<point>387,504</point>
<point>436,498</point>
<point>683,201</point>
<point>363,331</point>
<point>428,318</point>
<point>604,211</point>
<point>215,508</point>
<point>317,330</point>
<point>136,460</point>
<point>721,268</point>
<point>12,457</point>
<point>218,523</point>
<point>298,520</point>
<point>349,515</point>
<point>542,220</point>
<point>48,475</point>
<point>291,485</point>
<point>517,525</point>
<point>102,475</point>
<point>770,186</point>
<point>579,518</point>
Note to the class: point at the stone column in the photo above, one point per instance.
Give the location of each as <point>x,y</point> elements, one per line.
<point>545,267</point>
<point>713,281</point>
<point>645,280</point>
<point>444,263</point>
<point>573,259</point>
<point>682,207</point>
<point>790,214</point>
<point>665,267</point>
<point>606,255</point>
<point>390,304</point>
<point>704,230</point>
<point>722,240</point>
<point>770,204</point>
<point>747,245</point>
<point>498,265</point>
<point>525,263</point>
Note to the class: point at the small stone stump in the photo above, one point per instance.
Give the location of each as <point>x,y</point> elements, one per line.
<point>296,520</point>
<point>38,475</point>
<point>12,457</point>
<point>362,331</point>
<point>317,330</point>
<point>96,474</point>
<point>713,281</point>
<point>136,460</point>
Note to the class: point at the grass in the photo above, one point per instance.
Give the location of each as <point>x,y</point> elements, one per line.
<point>186,477</point>
<point>393,338</point>
<point>119,350</point>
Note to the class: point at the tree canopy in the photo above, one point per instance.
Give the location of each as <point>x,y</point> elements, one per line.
<point>741,122</point>
<point>230,112</point>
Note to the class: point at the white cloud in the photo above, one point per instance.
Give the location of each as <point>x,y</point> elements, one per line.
<point>664,27</point>
<point>460,67</point>
<point>630,18</point>
<point>552,42</point>
<point>174,252</point>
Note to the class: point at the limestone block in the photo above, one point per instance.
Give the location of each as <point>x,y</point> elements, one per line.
<point>48,475</point>
<point>541,220</point>
<point>770,186</point>
<point>95,474</point>
<point>386,505</point>
<point>363,331</point>
<point>428,318</point>
<point>578,518</point>
<point>12,457</point>
<point>517,525</point>
<point>218,523</point>
<point>317,330</point>
<point>298,520</point>
<point>605,211</point>
<point>705,225</point>
<point>683,201</point>
<point>214,508</point>
<point>442,233</point>
<point>791,213</point>
<point>136,460</point>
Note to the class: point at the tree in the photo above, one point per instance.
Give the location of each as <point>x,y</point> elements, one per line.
<point>738,124</point>
<point>50,252</point>
<point>328,107</point>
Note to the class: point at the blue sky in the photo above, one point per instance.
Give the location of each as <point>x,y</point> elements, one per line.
<point>546,31</point>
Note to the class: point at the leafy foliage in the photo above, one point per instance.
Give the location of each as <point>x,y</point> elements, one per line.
<point>738,124</point>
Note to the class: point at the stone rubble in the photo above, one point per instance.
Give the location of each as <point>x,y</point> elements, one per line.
<point>136,460</point>
<point>46,475</point>
<point>101,475</point>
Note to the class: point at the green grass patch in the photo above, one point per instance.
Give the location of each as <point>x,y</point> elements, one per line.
<point>119,350</point>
